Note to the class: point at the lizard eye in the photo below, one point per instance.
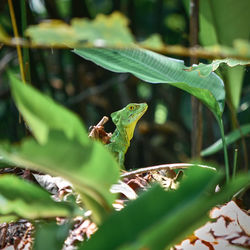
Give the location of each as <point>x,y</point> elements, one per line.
<point>131,107</point>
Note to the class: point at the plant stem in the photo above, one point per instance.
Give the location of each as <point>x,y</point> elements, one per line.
<point>19,52</point>
<point>196,133</point>
<point>225,149</point>
<point>235,122</point>
<point>26,60</point>
<point>235,162</point>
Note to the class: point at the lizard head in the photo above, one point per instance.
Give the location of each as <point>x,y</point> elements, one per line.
<point>127,117</point>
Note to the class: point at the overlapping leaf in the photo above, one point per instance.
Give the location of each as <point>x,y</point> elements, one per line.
<point>63,149</point>
<point>154,216</point>
<point>205,70</point>
<point>86,167</point>
<point>155,68</point>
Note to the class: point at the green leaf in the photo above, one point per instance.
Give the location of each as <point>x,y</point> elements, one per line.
<point>215,15</point>
<point>166,233</point>
<point>50,235</point>
<point>26,200</point>
<point>242,47</point>
<point>155,68</point>
<point>102,31</point>
<point>153,42</point>
<point>8,218</point>
<point>205,70</point>
<point>230,138</point>
<point>215,19</point>
<point>90,168</point>
<point>235,78</point>
<point>158,219</point>
<point>63,149</point>
<point>42,114</point>
<point>234,74</point>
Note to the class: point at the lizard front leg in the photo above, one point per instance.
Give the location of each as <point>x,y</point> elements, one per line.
<point>121,159</point>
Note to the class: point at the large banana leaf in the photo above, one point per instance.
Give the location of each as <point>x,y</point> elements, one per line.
<point>221,23</point>
<point>155,68</point>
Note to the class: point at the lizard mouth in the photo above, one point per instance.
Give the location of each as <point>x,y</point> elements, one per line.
<point>144,109</point>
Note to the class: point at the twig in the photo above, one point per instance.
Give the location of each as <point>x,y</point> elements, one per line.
<point>100,123</point>
<point>164,167</point>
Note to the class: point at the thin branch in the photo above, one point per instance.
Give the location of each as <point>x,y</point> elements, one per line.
<point>164,167</point>
<point>195,51</point>
<point>18,47</point>
<point>100,124</point>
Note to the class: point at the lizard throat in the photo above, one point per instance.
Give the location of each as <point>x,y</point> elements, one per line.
<point>130,130</point>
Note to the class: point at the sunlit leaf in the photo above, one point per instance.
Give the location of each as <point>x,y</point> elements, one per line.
<point>104,30</point>
<point>112,29</point>
<point>155,68</point>
<point>153,42</point>
<point>230,138</point>
<point>242,47</point>
<point>27,200</point>
<point>53,32</point>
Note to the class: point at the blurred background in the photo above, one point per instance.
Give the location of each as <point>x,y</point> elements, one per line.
<point>163,134</point>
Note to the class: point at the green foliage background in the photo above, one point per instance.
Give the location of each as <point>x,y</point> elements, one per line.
<point>90,91</point>
<point>93,92</point>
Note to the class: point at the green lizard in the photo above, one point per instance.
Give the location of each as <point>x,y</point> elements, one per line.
<point>125,121</point>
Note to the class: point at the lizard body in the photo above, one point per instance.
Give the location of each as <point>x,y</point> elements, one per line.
<point>125,121</point>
